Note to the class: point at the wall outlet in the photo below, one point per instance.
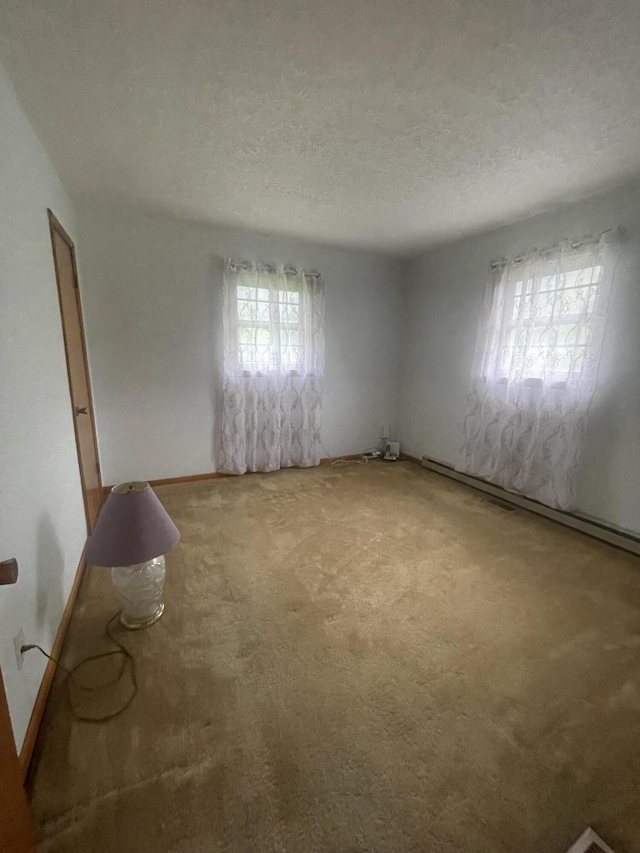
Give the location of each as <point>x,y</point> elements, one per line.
<point>18,643</point>
<point>384,431</point>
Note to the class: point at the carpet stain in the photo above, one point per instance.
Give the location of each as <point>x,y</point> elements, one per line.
<point>364,659</point>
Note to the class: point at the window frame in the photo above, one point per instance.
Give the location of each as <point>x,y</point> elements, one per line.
<point>276,298</point>
<point>519,283</point>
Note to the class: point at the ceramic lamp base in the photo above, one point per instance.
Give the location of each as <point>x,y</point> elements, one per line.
<point>140,590</point>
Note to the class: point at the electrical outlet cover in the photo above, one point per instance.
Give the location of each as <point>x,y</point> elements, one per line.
<point>18,643</point>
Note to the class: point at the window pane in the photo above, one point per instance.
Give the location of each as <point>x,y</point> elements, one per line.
<point>547,332</point>
<point>289,314</point>
<point>246,310</point>
<point>522,307</point>
<point>270,335</point>
<point>543,306</point>
<point>570,278</point>
<point>572,334</point>
<point>575,301</point>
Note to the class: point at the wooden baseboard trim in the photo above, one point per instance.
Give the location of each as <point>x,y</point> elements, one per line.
<point>192,478</point>
<point>213,475</point>
<point>33,728</point>
<point>170,481</point>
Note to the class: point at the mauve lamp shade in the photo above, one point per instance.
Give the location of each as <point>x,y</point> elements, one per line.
<point>133,527</point>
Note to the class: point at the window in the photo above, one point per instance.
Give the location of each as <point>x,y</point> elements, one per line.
<point>547,323</point>
<point>535,367</point>
<point>273,384</point>
<point>273,321</point>
<point>270,333</point>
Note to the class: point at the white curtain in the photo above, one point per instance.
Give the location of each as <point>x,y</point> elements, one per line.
<point>535,369</point>
<point>273,367</point>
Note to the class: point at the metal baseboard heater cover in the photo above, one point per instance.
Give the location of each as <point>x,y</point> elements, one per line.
<point>592,528</point>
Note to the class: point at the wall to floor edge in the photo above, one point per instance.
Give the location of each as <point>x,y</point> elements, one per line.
<point>442,303</point>
<point>152,291</point>
<point>42,520</point>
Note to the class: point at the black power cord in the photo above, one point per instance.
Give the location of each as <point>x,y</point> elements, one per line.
<point>128,662</point>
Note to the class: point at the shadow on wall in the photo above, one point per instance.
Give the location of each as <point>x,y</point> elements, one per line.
<point>50,573</point>
<point>216,270</point>
<point>50,604</point>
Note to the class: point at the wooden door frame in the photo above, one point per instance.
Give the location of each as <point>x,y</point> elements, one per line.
<point>16,825</point>
<point>56,228</point>
<point>28,745</point>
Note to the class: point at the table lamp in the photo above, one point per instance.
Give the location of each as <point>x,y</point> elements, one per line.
<point>132,535</point>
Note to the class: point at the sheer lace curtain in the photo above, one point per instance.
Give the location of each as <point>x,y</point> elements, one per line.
<point>535,369</point>
<point>273,367</point>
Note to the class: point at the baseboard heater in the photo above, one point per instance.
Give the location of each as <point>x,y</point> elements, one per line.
<point>591,528</point>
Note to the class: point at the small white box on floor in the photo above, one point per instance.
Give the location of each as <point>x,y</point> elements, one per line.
<point>393,450</point>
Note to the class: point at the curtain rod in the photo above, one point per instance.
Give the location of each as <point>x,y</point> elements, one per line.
<point>587,240</point>
<point>289,270</point>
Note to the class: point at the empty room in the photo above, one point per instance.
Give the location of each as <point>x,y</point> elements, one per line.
<point>320,426</point>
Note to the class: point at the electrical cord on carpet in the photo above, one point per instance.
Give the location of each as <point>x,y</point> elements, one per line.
<point>128,662</point>
<point>340,462</point>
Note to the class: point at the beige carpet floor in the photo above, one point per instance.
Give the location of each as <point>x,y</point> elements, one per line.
<point>359,659</point>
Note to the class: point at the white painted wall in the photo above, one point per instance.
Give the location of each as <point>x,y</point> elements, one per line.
<point>42,520</point>
<point>443,297</point>
<point>152,293</point>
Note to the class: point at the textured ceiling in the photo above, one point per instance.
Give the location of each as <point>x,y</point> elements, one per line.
<point>392,124</point>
